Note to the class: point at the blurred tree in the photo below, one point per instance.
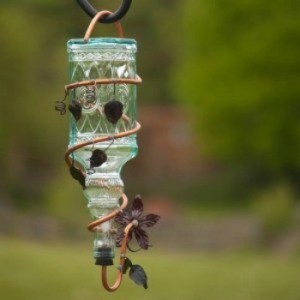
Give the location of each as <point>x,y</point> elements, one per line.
<point>239,71</point>
<point>275,208</point>
<point>30,77</point>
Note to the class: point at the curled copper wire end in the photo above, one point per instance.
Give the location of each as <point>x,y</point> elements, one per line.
<point>60,105</point>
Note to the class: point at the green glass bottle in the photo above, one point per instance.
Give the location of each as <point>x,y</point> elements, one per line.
<point>103,58</point>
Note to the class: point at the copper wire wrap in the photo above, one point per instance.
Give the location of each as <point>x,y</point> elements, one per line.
<point>124,200</point>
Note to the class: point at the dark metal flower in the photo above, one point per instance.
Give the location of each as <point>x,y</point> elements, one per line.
<point>139,223</point>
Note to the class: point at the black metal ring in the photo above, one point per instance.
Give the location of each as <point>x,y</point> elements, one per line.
<point>116,16</point>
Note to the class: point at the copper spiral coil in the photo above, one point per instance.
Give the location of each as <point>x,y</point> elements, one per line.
<point>93,225</point>
<point>94,82</point>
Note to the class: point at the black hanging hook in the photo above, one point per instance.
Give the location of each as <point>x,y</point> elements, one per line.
<point>116,16</point>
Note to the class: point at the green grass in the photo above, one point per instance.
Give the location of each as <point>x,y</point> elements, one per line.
<point>31,270</point>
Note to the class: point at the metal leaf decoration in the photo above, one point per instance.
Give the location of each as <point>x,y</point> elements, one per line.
<point>127,265</point>
<point>113,111</point>
<point>138,275</point>
<point>75,109</point>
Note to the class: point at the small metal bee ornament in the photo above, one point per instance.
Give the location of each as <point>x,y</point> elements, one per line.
<point>60,106</point>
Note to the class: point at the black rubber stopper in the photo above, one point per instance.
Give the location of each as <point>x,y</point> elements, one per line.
<point>104,258</point>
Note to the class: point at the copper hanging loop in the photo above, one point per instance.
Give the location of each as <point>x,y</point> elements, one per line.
<point>116,16</point>
<point>94,21</point>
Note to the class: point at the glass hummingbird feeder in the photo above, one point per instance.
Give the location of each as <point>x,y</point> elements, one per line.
<point>102,138</point>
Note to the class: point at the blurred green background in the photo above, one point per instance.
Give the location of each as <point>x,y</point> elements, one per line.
<point>218,157</point>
